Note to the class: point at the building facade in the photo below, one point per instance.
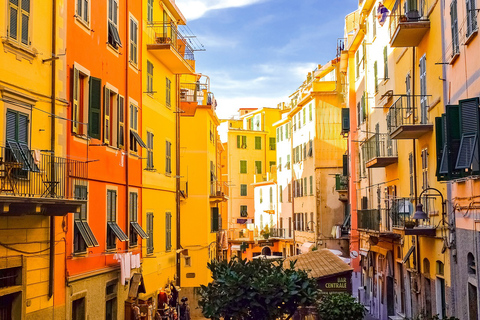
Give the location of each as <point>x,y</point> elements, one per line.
<point>400,249</point>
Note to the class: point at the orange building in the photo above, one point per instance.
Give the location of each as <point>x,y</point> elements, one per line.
<point>105,98</point>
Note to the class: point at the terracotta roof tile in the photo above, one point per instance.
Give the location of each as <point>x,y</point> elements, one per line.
<point>320,263</point>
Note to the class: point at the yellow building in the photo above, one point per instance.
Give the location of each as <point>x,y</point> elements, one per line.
<point>310,148</point>
<point>251,155</point>
<point>166,55</point>
<point>35,192</point>
<point>202,190</point>
<point>395,93</point>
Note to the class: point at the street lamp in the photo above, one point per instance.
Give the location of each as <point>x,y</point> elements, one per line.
<point>308,229</point>
<point>420,214</point>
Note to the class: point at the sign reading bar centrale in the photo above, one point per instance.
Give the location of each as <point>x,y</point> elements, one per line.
<point>338,283</point>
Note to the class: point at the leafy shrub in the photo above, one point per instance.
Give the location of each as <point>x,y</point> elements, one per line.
<point>253,290</point>
<point>340,306</point>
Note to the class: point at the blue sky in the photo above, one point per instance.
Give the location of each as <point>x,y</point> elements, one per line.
<point>259,51</point>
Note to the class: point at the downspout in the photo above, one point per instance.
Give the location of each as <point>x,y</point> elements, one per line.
<point>292,191</point>
<point>453,266</point>
<point>127,139</point>
<point>51,273</point>
<point>414,153</point>
<point>177,173</point>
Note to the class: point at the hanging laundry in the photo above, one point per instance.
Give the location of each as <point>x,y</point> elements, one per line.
<point>382,14</point>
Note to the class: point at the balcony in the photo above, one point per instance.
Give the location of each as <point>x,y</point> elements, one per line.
<point>341,186</point>
<point>218,191</point>
<point>34,183</point>
<point>409,22</point>
<point>197,93</point>
<point>170,47</point>
<point>380,151</point>
<point>401,211</point>
<point>407,121</point>
<point>281,233</point>
<point>240,235</point>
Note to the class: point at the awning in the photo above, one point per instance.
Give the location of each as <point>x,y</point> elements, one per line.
<point>409,253</point>
<point>138,139</point>
<point>235,247</point>
<point>307,247</point>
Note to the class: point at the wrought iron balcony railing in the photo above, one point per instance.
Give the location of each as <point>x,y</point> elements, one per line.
<point>407,118</point>
<point>26,173</point>
<point>380,151</point>
<point>408,22</point>
<point>160,33</point>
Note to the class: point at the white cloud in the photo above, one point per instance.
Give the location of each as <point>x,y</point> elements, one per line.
<point>228,106</point>
<point>194,9</point>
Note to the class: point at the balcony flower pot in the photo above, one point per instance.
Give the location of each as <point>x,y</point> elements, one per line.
<point>409,224</point>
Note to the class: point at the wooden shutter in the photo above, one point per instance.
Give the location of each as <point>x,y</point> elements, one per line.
<point>13,22</point>
<point>214,227</point>
<point>345,120</point>
<point>25,17</point>
<point>244,142</point>
<point>11,126</point>
<point>106,116</point>
<point>95,107</point>
<point>121,121</point>
<point>22,129</point>
<point>75,100</point>
<point>258,143</point>
<point>385,63</point>
<point>239,142</point>
<point>469,127</point>
<point>375,74</point>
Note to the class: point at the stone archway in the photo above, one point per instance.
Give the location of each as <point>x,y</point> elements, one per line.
<point>266,251</point>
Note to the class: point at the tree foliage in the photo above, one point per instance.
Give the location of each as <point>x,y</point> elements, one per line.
<point>340,306</point>
<point>258,289</point>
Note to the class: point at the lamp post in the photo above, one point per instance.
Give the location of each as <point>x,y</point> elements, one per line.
<point>308,229</point>
<point>419,214</point>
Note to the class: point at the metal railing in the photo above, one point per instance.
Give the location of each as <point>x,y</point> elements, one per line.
<point>408,11</point>
<point>218,189</point>
<point>341,182</point>
<point>380,145</point>
<point>403,109</point>
<point>240,234</point>
<point>369,219</point>
<point>168,33</point>
<point>197,92</point>
<point>26,173</point>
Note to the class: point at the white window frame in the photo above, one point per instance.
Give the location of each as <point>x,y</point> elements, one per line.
<point>133,46</point>
<point>80,12</point>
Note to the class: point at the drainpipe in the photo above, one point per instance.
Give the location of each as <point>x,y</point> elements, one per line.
<point>51,273</point>
<point>453,266</point>
<point>292,192</point>
<point>177,173</point>
<point>127,139</point>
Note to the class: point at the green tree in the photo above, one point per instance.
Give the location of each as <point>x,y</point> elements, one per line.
<point>258,289</point>
<point>340,306</point>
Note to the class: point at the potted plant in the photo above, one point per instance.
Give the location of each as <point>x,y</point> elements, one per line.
<point>409,224</point>
<point>265,232</point>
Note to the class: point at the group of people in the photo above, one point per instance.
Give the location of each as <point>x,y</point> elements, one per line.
<point>167,309</point>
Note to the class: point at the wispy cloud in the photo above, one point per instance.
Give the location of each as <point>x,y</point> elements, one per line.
<point>229,106</point>
<point>194,9</point>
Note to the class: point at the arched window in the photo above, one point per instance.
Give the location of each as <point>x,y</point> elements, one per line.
<point>426,266</point>
<point>472,268</point>
<point>440,268</point>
